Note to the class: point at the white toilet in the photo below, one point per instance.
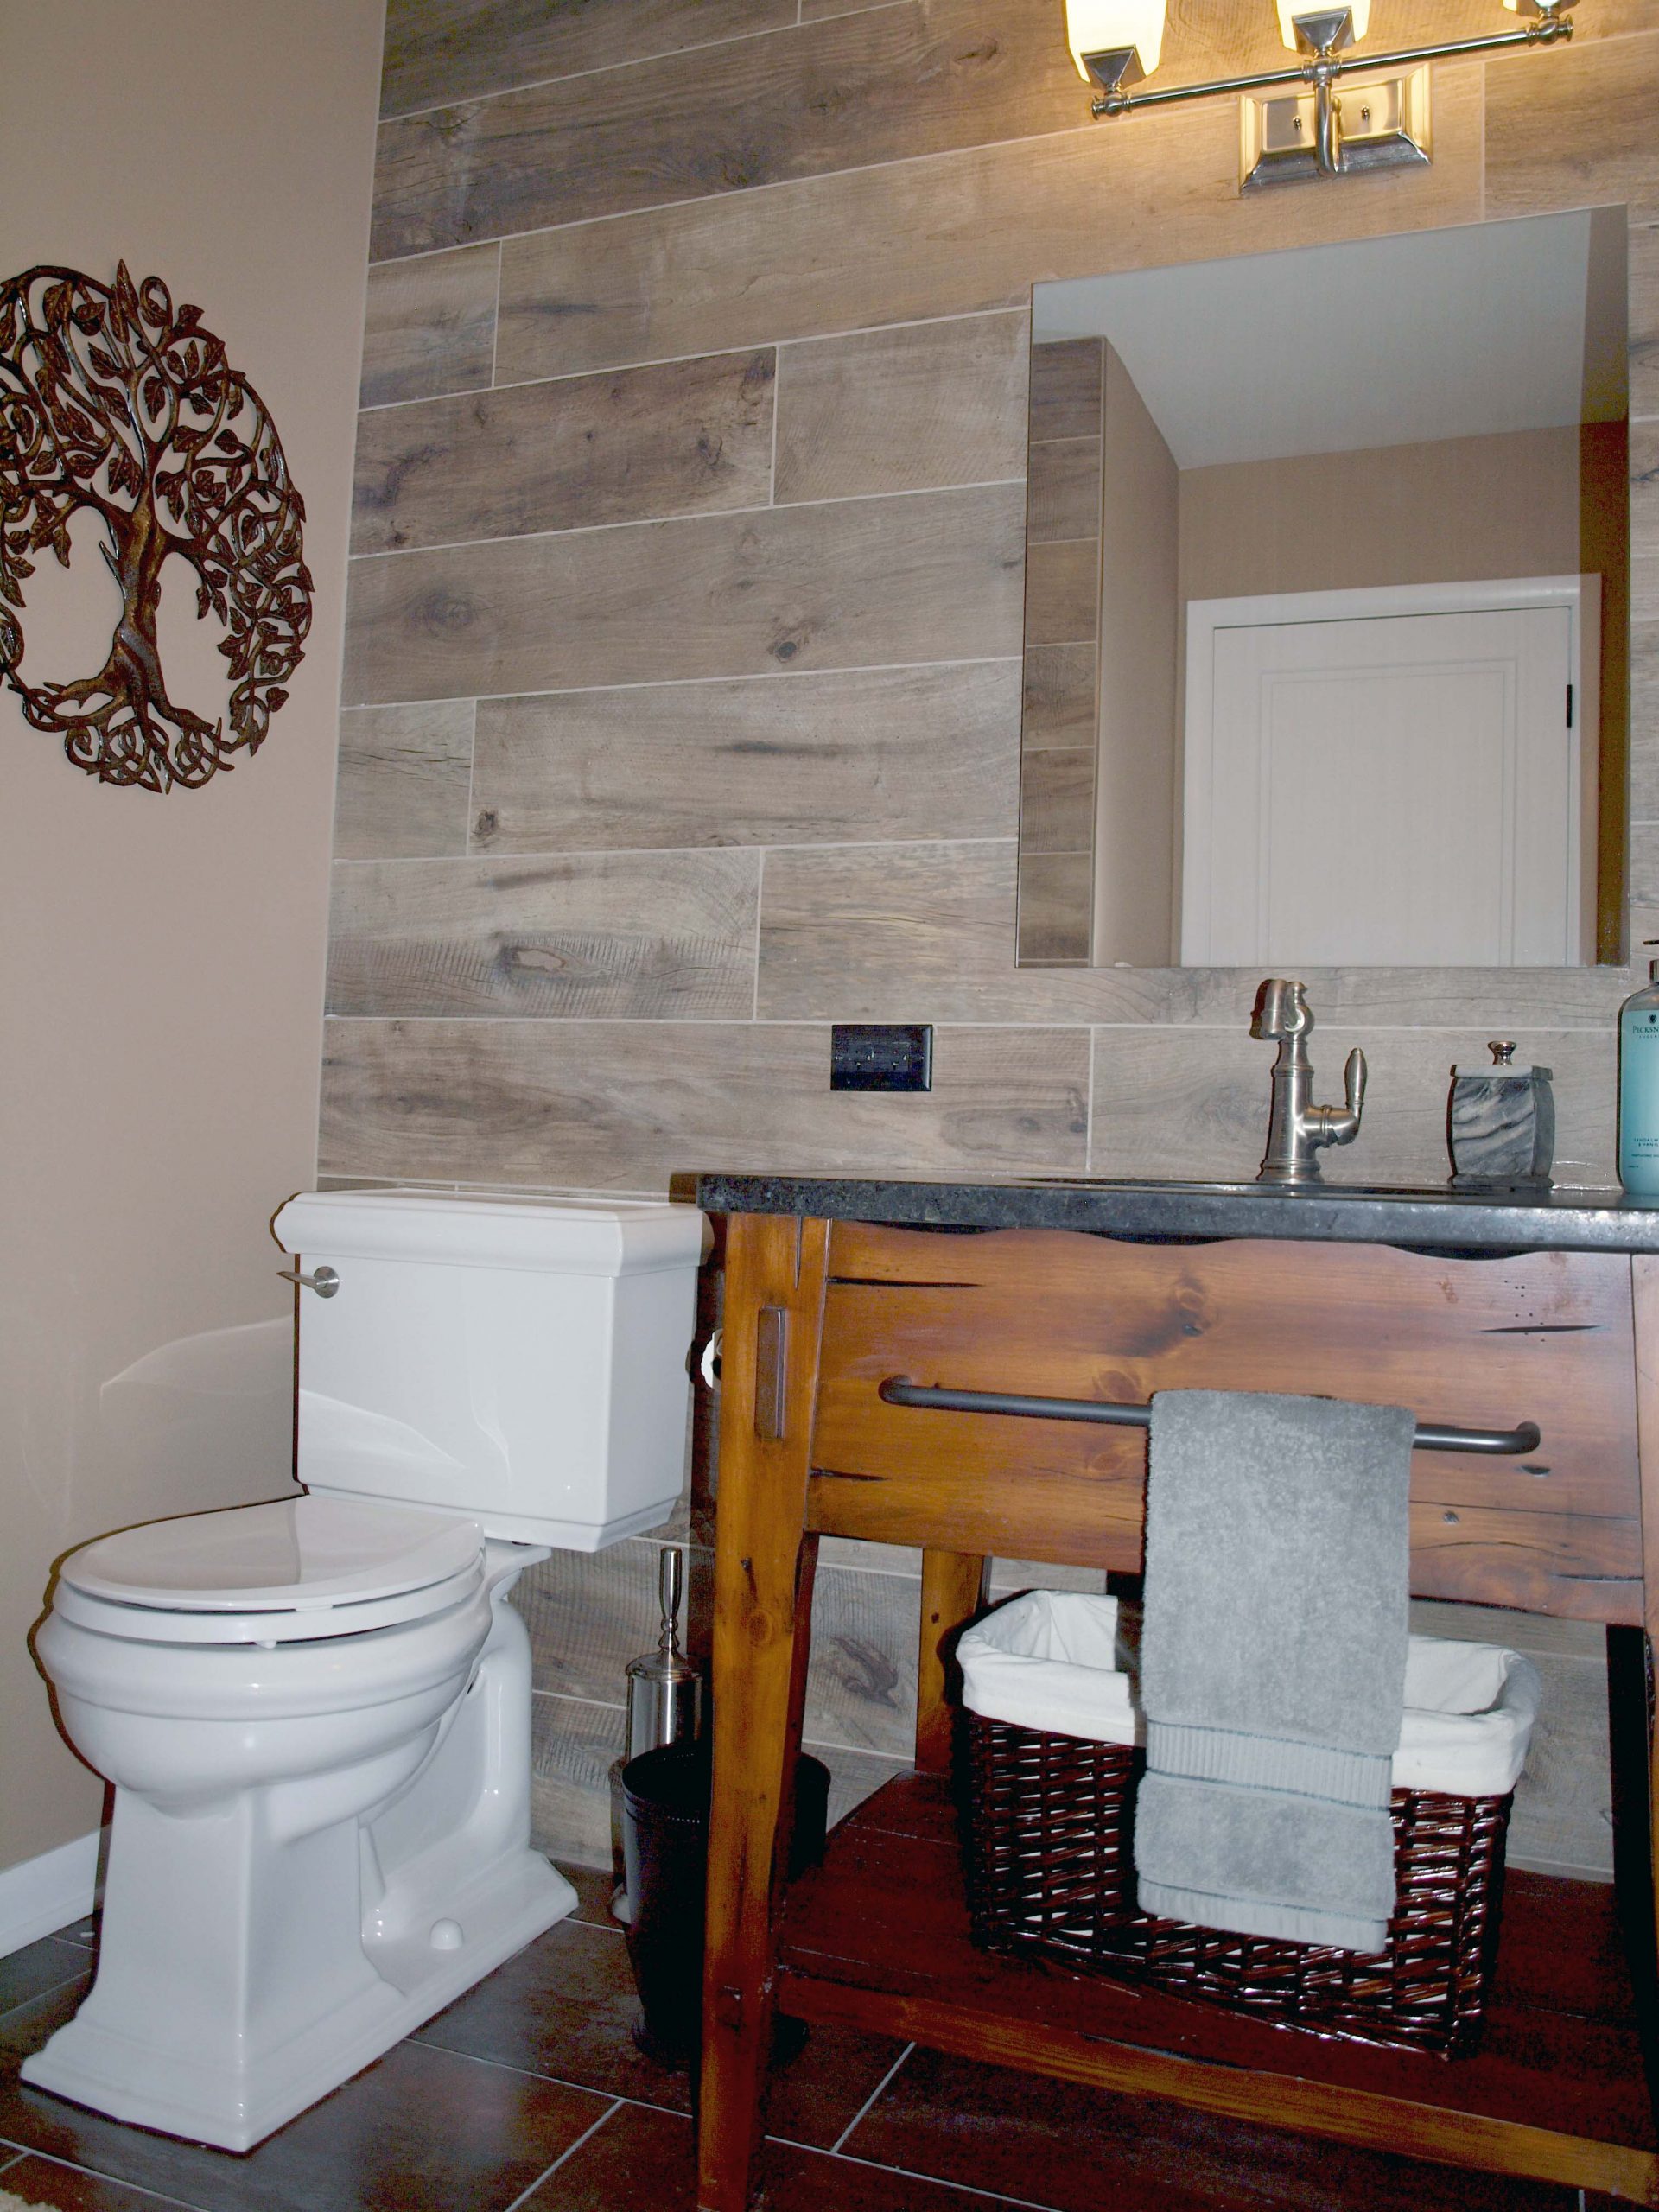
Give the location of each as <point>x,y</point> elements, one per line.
<point>316,1712</point>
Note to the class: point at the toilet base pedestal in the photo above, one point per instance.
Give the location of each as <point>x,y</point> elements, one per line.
<point>119,2069</point>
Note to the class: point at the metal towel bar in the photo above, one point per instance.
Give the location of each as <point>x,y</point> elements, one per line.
<point>1432,1436</point>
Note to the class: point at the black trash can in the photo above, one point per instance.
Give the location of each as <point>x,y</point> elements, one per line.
<point>665,1848</point>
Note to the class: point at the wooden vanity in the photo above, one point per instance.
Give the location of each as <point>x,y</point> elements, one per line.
<point>1476,1314</point>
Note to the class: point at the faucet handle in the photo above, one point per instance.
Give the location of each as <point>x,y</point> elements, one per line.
<point>1353,1082</point>
<point>1280,1009</point>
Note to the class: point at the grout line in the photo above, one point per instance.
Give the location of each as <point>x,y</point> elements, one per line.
<point>748,192</point>
<point>700,353</point>
<point>495,327</point>
<point>834,2148</point>
<point>603,69</point>
<point>671,682</point>
<point>113,2181</point>
<point>697,515</point>
<point>495,854</point>
<point>760,898</point>
<point>1089,1111</point>
<point>998,2197</point>
<point>466,852</point>
<point>524,2194</point>
<point>40,1996</point>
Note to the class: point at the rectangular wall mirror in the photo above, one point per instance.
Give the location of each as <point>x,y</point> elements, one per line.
<point>1326,651</point>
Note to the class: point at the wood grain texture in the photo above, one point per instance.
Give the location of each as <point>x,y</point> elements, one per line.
<point>572,1743</point>
<point>1067,388</point>
<point>953,1590</point>
<point>858,933</point>
<point>1075,1317</point>
<point>403,780</point>
<point>429,325</point>
<point>895,753</point>
<point>1059,696</point>
<point>1057,801</point>
<point>889,84</point>
<point>1579,128</point>
<point>1062,592</point>
<point>686,437</point>
<point>1643,340</point>
<point>1056,900</point>
<point>903,409</point>
<point>953,235</point>
<point>1644,722</point>
<point>1063,491</point>
<point>634,936</point>
<point>441,50</point>
<point>621,1105</point>
<point>860,583</point>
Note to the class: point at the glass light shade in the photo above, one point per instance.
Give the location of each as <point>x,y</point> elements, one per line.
<point>1359,10</point>
<point>1099,25</point>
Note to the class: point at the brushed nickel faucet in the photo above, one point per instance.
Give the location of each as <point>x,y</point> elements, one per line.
<point>1296,1129</point>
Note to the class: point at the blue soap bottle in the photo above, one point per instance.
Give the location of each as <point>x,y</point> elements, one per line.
<point>1638,1088</point>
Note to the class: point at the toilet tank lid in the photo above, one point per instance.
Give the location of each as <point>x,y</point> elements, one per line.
<point>552,1232</point>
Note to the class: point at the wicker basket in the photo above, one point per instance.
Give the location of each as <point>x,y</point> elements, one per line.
<point>1050,1875</point>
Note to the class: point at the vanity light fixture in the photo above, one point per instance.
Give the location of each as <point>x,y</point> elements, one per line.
<point>1311,131</point>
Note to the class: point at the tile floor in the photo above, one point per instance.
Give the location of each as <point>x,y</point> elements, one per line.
<point>527,2095</point>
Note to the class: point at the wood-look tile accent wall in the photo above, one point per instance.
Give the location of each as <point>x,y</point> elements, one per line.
<point>683,701</point>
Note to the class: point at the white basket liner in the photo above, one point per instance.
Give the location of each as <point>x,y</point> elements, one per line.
<point>1055,1660</point>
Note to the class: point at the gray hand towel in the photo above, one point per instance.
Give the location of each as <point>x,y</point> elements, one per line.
<point>1273,1663</point>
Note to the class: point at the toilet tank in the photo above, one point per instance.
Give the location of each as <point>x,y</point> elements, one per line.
<point>519,1359</point>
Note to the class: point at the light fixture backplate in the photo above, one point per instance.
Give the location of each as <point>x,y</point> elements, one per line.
<point>1385,124</point>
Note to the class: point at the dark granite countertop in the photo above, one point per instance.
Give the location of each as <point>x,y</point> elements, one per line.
<point>1437,1219</point>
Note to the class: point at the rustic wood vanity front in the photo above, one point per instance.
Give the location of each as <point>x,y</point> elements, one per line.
<point>1480,1316</point>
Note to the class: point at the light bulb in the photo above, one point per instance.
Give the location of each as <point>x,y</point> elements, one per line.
<point>1105,26</point>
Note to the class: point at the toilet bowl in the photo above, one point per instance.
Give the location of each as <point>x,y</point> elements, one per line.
<point>316,1713</point>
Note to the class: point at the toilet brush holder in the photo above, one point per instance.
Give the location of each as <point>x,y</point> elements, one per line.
<point>664,1707</point>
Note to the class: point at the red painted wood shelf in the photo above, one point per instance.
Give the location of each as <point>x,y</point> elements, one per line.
<point>878,1939</point>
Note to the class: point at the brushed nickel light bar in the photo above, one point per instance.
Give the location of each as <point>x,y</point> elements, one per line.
<point>1312,129</point>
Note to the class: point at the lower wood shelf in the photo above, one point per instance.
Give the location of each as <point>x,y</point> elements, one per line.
<point>878,1938</point>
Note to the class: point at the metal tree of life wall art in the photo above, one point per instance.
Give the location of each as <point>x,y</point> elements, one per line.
<point>113,400</point>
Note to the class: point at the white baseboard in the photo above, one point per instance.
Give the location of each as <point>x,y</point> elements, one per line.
<point>48,1893</point>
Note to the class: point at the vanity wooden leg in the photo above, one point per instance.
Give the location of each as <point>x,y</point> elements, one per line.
<point>953,1590</point>
<point>776,1269</point>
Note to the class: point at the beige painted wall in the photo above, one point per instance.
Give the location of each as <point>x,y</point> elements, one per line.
<point>1456,511</point>
<point>162,1002</point>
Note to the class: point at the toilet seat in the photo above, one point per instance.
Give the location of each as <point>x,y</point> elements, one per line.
<point>293,1570</point>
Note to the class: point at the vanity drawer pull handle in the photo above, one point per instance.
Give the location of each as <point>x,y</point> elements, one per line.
<point>1432,1436</point>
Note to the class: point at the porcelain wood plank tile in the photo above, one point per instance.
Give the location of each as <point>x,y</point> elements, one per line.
<point>842,94</point>
<point>1535,1633</point>
<point>861,1685</point>
<point>1644,722</point>
<point>421,2130</point>
<point>1062,592</point>
<point>444,50</point>
<point>643,935</point>
<point>45,2187</point>
<point>947,235</point>
<point>623,1105</point>
<point>894,753</point>
<point>860,583</point>
<point>1067,388</point>
<point>1057,802</point>
<point>1580,128</point>
<point>1063,494</point>
<point>686,437</point>
<point>1643,341</point>
<point>572,1744</point>
<point>429,325</point>
<point>874,933</point>
<point>903,409</point>
<point>1563,1807</point>
<point>1055,892</point>
<point>1059,696</point>
<point>1172,1101</point>
<point>589,1614</point>
<point>403,781</point>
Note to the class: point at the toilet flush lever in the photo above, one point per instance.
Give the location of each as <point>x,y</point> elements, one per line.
<point>325,1282</point>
